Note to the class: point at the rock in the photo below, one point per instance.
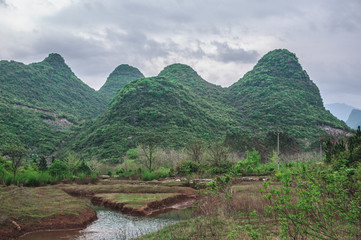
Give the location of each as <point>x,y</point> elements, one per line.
<point>247,179</point>
<point>16,225</point>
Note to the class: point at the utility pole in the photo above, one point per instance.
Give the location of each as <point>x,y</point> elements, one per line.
<point>278,148</point>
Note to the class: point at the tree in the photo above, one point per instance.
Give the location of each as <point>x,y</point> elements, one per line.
<point>72,162</point>
<point>58,168</point>
<point>16,154</point>
<point>94,164</point>
<point>147,150</point>
<point>218,154</point>
<point>195,150</point>
<point>43,165</point>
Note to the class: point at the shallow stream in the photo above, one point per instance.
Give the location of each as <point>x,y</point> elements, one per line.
<point>113,225</point>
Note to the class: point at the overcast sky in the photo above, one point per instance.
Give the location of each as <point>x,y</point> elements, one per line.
<point>221,40</point>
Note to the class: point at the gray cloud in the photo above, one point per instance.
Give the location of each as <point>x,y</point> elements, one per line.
<point>221,39</point>
<point>227,54</point>
<point>3,3</point>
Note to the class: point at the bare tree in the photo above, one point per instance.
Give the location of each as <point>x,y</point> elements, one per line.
<point>195,150</point>
<point>218,154</point>
<point>147,150</point>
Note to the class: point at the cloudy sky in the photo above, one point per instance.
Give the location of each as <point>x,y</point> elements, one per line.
<point>221,40</point>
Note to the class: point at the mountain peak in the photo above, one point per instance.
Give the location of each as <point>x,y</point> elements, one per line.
<point>280,63</point>
<point>178,70</point>
<point>55,60</point>
<point>54,57</point>
<point>183,74</point>
<point>121,75</point>
<point>125,69</point>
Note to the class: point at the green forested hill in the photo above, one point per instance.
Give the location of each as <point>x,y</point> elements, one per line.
<point>170,107</point>
<point>178,106</point>
<point>118,79</point>
<point>26,127</point>
<point>278,93</point>
<point>38,100</point>
<point>49,85</point>
<point>175,107</point>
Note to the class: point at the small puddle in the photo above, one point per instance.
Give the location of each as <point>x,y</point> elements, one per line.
<point>113,225</point>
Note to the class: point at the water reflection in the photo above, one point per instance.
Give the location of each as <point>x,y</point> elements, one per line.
<point>114,226</point>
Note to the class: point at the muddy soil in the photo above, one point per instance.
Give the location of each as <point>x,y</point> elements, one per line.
<point>11,228</point>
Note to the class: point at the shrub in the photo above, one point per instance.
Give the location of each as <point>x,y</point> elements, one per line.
<point>162,172</point>
<point>148,175</point>
<point>317,204</point>
<point>249,165</point>
<point>120,171</point>
<point>132,154</point>
<point>3,173</point>
<point>187,167</point>
<point>8,179</point>
<point>58,168</point>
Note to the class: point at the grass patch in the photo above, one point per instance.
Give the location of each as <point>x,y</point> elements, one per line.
<point>37,203</point>
<point>125,188</point>
<point>135,200</point>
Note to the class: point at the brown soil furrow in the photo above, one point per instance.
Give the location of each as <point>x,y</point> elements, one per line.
<point>152,208</point>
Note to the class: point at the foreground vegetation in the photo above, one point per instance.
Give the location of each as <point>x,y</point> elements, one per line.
<point>305,200</point>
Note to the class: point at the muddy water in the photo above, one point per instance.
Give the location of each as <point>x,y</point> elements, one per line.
<point>113,225</point>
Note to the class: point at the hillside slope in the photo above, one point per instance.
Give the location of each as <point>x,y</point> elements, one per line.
<point>121,75</point>
<point>174,107</point>
<point>49,85</point>
<point>278,94</point>
<point>39,101</point>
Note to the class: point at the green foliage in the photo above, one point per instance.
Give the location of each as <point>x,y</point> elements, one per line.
<point>248,166</point>
<point>49,85</point>
<point>187,167</point>
<point>16,154</point>
<point>278,93</point>
<point>342,153</point>
<point>183,107</point>
<point>3,173</point>
<point>132,154</point>
<point>122,75</point>
<point>317,203</point>
<point>43,166</point>
<point>148,175</point>
<point>218,158</point>
<point>58,168</point>
<point>177,106</point>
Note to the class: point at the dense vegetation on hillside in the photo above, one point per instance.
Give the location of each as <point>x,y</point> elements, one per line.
<point>118,79</point>
<point>178,107</point>
<point>34,97</point>
<point>172,109</point>
<point>25,127</point>
<point>166,108</point>
<point>49,85</point>
<point>278,94</point>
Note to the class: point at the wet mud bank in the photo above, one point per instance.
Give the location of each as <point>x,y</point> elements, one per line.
<point>12,228</point>
<point>151,209</point>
